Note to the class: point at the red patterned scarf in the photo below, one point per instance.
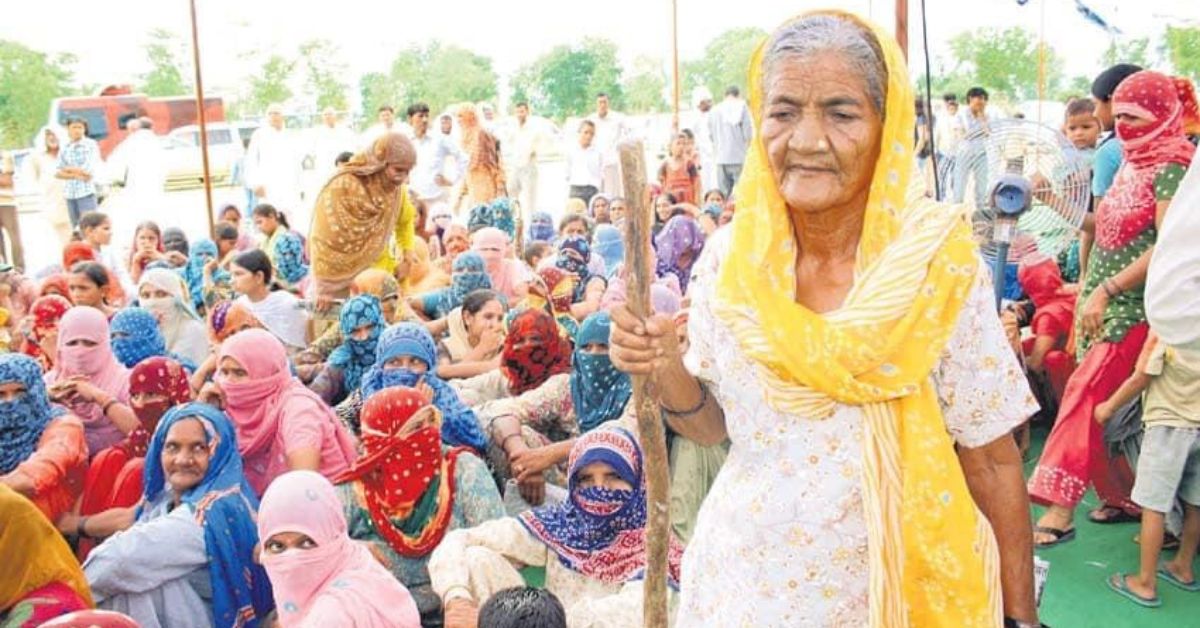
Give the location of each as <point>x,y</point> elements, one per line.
<point>533,351</point>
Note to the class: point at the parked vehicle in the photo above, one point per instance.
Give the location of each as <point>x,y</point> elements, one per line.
<point>106,114</point>
<point>185,164</point>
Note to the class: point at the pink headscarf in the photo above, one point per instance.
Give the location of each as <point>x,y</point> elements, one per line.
<point>337,583</point>
<point>96,364</point>
<point>259,403</point>
<point>492,245</point>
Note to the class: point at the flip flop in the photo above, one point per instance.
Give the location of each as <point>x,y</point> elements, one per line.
<point>1116,582</point>
<point>1166,575</point>
<point>1060,536</point>
<point>1120,517</point>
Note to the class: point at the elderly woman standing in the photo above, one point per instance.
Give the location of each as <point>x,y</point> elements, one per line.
<point>844,338</point>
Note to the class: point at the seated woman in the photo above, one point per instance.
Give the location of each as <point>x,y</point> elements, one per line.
<point>1046,354</point>
<point>401,511</point>
<point>508,274</point>
<point>283,247</point>
<point>541,227</point>
<point>455,241</point>
<point>42,342</point>
<point>92,285</point>
<point>163,293</point>
<point>43,451</point>
<point>95,230</point>
<point>320,576</point>
<point>225,319</point>
<point>135,337</point>
<point>558,287</point>
<point>534,352</point>
<point>56,284</point>
<point>202,274</point>
<point>89,381</point>
<point>232,215</point>
<point>609,245</point>
<point>281,425</point>
<point>375,282</point>
<point>677,247</point>
<point>147,247</point>
<point>474,337</point>
<point>470,274</point>
<point>593,545</point>
<point>574,253</point>
<point>278,310</point>
<point>361,323</point>
<point>185,556</point>
<point>114,478</point>
<point>39,577</point>
<point>423,276</point>
<point>406,356</point>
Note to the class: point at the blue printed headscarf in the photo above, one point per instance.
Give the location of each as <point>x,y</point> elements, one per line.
<point>460,426</point>
<point>574,253</point>
<point>599,391</point>
<point>610,247</point>
<point>22,420</point>
<point>136,336</point>
<point>541,227</point>
<point>498,214</point>
<point>353,357</point>
<point>468,274</point>
<point>201,251</point>
<point>225,505</point>
<point>289,258</point>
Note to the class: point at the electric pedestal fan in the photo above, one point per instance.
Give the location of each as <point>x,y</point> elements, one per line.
<point>1026,188</point>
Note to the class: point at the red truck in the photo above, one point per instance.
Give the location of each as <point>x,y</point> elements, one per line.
<point>107,113</point>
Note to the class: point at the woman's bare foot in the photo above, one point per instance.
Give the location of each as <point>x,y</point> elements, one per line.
<point>1055,518</point>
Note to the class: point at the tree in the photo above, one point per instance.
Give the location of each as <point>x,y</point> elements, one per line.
<point>564,82</point>
<point>323,70</point>
<point>270,85</point>
<point>29,80</point>
<point>1006,62</point>
<point>165,77</point>
<point>438,74</point>
<point>1181,46</point>
<point>726,61</point>
<point>645,88</point>
<point>1134,51</point>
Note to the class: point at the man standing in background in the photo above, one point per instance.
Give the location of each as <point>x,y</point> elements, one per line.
<point>698,123</point>
<point>428,181</point>
<point>11,229</point>
<point>611,130</point>
<point>328,140</point>
<point>78,162</point>
<point>273,165</point>
<point>731,130</point>
<point>524,140</point>
<point>138,164</point>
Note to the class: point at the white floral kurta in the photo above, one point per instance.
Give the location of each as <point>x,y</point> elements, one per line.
<point>781,539</point>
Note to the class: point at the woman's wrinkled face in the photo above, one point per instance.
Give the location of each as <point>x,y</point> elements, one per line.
<point>456,244</point>
<point>412,363</point>
<point>185,455</point>
<point>821,132</point>
<point>84,291</point>
<point>230,370</point>
<point>284,541</point>
<point>601,475</point>
<point>490,317</point>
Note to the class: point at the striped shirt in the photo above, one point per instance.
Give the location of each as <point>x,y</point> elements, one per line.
<point>83,154</point>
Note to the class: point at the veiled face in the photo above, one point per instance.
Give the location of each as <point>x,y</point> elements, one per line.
<point>821,131</point>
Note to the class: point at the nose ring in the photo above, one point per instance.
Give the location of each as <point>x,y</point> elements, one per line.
<point>822,145</point>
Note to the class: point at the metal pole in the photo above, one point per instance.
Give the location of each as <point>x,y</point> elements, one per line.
<point>902,26</point>
<point>675,60</point>
<point>203,118</point>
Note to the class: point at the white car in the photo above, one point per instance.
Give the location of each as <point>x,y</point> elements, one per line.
<point>185,165</point>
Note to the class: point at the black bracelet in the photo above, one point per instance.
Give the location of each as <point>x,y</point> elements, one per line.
<point>683,414</point>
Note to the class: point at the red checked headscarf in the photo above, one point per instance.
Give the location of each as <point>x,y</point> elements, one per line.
<point>533,351</point>
<point>397,470</point>
<point>156,375</point>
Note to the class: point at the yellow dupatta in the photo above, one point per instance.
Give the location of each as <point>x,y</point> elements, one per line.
<point>932,556</point>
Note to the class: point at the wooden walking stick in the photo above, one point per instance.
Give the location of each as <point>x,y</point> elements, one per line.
<point>645,400</point>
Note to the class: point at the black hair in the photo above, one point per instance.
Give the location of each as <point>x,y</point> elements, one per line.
<point>225,230</point>
<point>1081,107</point>
<point>77,120</point>
<point>688,134</point>
<point>477,299</point>
<point>950,98</point>
<point>175,233</point>
<point>91,220</point>
<point>383,108</point>
<point>535,249</point>
<point>583,123</point>
<point>977,92</point>
<point>255,261</point>
<point>718,191</point>
<point>94,271</point>
<point>418,107</point>
<point>150,226</point>
<point>523,607</point>
<point>601,95</point>
<point>343,157</point>
<point>733,90</point>
<point>522,103</point>
<point>267,210</point>
<point>573,217</point>
<point>1107,81</point>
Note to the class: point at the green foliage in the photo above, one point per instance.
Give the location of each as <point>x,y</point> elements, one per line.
<point>323,70</point>
<point>29,80</point>
<point>270,85</point>
<point>646,86</point>
<point>726,62</point>
<point>165,77</point>
<point>438,74</point>
<point>1005,62</point>
<point>1181,46</point>
<point>1134,51</point>
<point>564,82</point>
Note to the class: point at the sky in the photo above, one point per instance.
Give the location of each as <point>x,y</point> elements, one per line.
<point>108,36</point>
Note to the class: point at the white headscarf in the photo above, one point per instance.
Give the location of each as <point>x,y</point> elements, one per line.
<point>172,311</point>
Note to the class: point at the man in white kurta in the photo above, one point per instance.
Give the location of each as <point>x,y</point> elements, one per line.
<point>611,129</point>
<point>327,140</point>
<point>697,122</point>
<point>138,163</point>
<point>521,142</point>
<point>273,166</point>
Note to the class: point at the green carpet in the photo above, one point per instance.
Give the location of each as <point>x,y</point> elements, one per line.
<point>1076,594</point>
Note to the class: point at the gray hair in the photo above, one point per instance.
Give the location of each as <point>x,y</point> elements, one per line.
<point>815,34</point>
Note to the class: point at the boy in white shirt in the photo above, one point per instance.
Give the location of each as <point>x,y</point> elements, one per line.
<point>585,164</point>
